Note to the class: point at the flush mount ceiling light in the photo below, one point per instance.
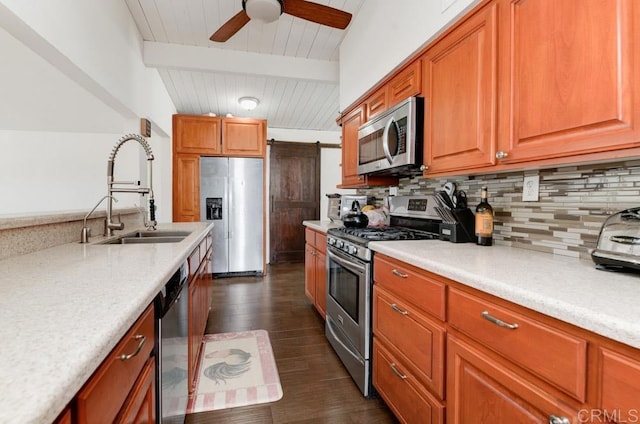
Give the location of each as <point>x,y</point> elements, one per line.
<point>248,103</point>
<point>263,10</point>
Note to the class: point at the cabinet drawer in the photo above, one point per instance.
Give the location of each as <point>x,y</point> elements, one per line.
<point>410,402</point>
<point>310,236</point>
<point>101,398</point>
<point>414,338</point>
<point>619,380</point>
<point>552,354</point>
<point>321,242</point>
<point>194,262</point>
<point>411,284</point>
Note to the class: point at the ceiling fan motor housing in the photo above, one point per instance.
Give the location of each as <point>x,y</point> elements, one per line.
<point>263,10</point>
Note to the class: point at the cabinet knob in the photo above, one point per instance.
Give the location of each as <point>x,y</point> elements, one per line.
<point>424,168</point>
<point>553,419</point>
<point>501,155</point>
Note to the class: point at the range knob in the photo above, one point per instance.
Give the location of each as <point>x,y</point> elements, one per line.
<point>332,241</point>
<point>340,244</point>
<point>353,250</point>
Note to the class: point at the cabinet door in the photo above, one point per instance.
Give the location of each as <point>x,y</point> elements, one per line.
<point>194,342</point>
<point>571,77</point>
<point>186,188</point>
<point>350,125</point>
<point>309,272</point>
<point>483,391</point>
<point>321,283</point>
<point>460,74</point>
<point>196,134</point>
<point>244,137</point>
<point>406,84</point>
<point>376,103</point>
<point>619,381</point>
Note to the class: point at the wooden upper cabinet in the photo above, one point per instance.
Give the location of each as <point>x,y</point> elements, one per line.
<point>460,74</point>
<point>572,79</point>
<point>350,178</point>
<point>376,103</point>
<point>407,83</point>
<point>350,124</point>
<point>244,137</point>
<point>197,134</point>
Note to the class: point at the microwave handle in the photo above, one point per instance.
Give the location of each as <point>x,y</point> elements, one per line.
<point>385,139</point>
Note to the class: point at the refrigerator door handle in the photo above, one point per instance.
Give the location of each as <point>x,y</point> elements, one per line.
<point>227,207</point>
<point>230,189</point>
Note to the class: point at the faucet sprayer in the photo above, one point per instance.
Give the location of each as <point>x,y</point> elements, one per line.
<point>151,224</point>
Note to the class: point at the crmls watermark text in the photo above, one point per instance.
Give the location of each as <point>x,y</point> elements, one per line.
<point>609,415</point>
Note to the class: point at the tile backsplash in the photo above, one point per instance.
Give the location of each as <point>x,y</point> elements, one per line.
<point>574,202</point>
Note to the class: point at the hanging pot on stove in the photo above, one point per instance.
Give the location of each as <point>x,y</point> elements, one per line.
<point>355,218</point>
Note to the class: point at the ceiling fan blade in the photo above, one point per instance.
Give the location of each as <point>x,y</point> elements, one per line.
<point>230,27</point>
<point>317,13</point>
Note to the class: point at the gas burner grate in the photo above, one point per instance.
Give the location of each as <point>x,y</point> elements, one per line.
<point>388,233</point>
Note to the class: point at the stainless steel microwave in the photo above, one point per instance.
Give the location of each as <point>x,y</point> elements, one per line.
<point>391,143</point>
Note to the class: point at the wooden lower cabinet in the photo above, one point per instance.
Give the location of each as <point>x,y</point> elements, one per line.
<point>402,391</point>
<point>122,381</point>
<point>619,383</point>
<point>315,269</point>
<point>199,303</point>
<point>141,405</point>
<point>481,390</point>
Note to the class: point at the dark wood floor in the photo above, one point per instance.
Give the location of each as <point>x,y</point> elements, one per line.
<point>316,387</point>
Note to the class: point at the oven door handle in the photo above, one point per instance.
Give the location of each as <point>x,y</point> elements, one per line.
<point>351,263</point>
<point>344,346</point>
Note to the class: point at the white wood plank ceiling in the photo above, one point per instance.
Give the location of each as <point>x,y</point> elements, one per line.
<point>290,65</point>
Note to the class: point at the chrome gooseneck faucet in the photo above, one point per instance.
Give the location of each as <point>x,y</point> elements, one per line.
<point>111,185</point>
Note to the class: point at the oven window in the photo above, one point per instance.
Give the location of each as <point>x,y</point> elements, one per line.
<point>344,289</point>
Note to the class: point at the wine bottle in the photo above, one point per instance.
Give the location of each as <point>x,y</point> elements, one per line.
<point>484,220</point>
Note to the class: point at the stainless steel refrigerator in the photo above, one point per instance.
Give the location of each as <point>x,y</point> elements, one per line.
<point>231,196</point>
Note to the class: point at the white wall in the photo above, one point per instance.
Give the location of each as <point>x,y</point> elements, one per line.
<point>385,33</point>
<point>73,82</point>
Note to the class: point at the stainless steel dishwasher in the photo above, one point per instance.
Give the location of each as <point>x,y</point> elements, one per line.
<point>172,313</point>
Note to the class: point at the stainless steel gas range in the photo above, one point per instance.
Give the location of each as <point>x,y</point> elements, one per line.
<point>350,279</point>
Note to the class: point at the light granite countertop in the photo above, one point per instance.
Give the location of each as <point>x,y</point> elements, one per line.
<point>63,309</point>
<point>570,290</point>
<point>322,226</point>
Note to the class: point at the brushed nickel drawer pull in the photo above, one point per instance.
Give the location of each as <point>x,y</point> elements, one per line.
<point>398,273</point>
<point>398,310</point>
<point>142,339</point>
<point>398,373</point>
<point>497,321</point>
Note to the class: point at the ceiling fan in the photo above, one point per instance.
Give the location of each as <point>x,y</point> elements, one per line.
<point>270,10</point>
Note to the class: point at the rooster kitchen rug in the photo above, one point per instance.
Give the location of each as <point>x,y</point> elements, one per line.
<point>236,369</point>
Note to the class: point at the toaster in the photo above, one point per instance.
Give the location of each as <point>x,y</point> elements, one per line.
<point>618,246</point>
<point>333,212</point>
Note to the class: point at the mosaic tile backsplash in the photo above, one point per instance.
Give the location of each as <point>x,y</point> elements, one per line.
<point>574,202</point>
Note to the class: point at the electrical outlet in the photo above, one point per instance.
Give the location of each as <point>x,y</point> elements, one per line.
<point>531,188</point>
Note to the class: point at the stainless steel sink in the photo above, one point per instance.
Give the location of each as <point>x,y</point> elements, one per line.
<point>148,237</point>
